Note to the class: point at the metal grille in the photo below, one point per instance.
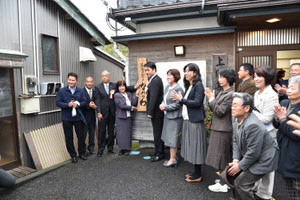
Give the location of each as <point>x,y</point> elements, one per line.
<point>258,60</point>
<point>269,37</point>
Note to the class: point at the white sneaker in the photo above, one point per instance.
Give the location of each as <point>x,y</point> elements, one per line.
<point>218,181</point>
<point>218,188</point>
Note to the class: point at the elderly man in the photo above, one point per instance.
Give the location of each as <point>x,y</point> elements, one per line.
<point>106,109</point>
<point>255,152</point>
<point>90,113</point>
<point>247,84</point>
<point>282,87</point>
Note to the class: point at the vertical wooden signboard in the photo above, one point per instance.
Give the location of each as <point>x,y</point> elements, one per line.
<point>143,81</point>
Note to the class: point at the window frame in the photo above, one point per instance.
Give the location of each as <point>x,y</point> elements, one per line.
<point>57,68</point>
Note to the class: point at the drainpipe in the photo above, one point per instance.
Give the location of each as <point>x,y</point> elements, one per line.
<point>33,36</point>
<point>37,52</point>
<point>117,50</point>
<point>59,53</point>
<point>20,44</point>
<point>202,6</point>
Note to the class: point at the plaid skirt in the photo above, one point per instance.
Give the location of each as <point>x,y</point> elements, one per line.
<point>293,188</point>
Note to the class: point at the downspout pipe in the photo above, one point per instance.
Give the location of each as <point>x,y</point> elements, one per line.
<point>124,58</point>
<point>202,6</point>
<point>21,44</point>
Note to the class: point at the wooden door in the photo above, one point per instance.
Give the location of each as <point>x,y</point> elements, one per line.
<point>8,126</point>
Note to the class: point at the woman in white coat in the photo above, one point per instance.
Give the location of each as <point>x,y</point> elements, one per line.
<point>264,100</point>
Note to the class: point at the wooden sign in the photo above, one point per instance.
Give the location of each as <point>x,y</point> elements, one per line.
<point>143,79</point>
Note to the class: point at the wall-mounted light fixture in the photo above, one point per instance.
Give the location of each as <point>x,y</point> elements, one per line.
<point>273,20</point>
<point>179,50</point>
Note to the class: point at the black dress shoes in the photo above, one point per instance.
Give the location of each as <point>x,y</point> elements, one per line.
<point>158,158</point>
<point>92,152</point>
<point>121,152</point>
<point>83,157</point>
<point>111,151</point>
<point>100,153</point>
<point>74,159</point>
<point>126,153</point>
<point>152,154</point>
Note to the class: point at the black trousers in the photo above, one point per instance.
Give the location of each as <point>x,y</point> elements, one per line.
<point>157,125</point>
<point>90,129</point>
<point>107,123</point>
<point>68,130</point>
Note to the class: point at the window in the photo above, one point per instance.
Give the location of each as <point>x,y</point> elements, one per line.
<point>50,54</point>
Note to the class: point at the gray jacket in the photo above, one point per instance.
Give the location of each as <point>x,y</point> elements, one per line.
<point>253,146</point>
<point>173,108</point>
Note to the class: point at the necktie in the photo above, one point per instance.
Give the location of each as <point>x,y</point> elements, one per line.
<point>106,88</point>
<point>90,94</point>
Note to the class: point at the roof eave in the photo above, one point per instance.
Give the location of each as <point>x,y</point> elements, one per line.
<point>83,21</point>
<point>178,33</point>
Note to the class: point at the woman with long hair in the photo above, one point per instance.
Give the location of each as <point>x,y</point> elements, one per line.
<point>193,147</point>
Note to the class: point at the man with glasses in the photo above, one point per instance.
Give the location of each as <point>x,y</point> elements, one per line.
<point>281,88</point>
<point>247,84</point>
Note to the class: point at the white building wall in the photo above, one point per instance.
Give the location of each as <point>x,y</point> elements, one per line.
<point>206,22</point>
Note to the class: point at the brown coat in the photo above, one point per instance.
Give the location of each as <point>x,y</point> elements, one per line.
<point>247,87</point>
<point>218,153</point>
<point>221,109</point>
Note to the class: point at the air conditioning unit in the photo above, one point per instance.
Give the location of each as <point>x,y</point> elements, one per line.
<point>30,85</point>
<point>50,88</point>
<point>47,88</point>
<point>57,87</point>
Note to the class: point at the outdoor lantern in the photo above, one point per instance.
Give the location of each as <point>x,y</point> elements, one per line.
<point>179,50</point>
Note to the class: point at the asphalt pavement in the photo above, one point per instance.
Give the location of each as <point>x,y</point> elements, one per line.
<point>122,177</point>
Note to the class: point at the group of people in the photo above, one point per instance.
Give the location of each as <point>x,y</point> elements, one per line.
<point>251,134</point>
<point>108,102</point>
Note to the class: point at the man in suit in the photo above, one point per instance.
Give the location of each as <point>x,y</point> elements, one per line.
<point>89,113</point>
<point>247,84</point>
<point>255,152</point>
<point>155,93</point>
<point>71,100</point>
<point>104,93</point>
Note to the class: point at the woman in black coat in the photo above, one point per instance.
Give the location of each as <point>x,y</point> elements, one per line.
<point>193,146</point>
<point>288,142</point>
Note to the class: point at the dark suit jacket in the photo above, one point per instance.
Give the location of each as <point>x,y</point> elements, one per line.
<point>122,107</point>
<point>155,94</point>
<point>247,87</point>
<point>88,112</point>
<point>289,145</point>
<point>194,103</point>
<point>103,102</point>
<point>254,147</point>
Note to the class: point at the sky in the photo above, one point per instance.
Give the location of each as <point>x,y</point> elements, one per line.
<point>96,11</point>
